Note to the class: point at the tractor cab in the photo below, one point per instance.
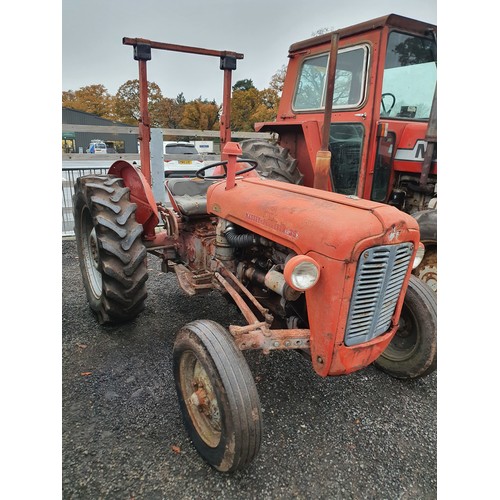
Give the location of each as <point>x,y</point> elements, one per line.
<point>381,133</point>
<point>385,80</point>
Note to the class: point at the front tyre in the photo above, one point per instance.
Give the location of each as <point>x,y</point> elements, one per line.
<point>217,396</point>
<point>412,352</point>
<point>110,250</point>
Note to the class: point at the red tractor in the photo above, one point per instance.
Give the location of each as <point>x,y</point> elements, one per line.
<point>375,120</point>
<point>323,273</point>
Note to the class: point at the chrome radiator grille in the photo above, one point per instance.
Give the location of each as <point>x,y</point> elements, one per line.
<point>379,278</point>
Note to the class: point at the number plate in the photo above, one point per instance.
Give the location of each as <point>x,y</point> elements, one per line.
<point>185,162</point>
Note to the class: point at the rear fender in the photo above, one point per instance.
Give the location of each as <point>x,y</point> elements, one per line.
<point>140,193</point>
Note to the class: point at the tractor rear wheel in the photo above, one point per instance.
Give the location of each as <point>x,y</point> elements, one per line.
<point>110,250</point>
<point>217,396</point>
<point>274,162</point>
<point>412,352</point>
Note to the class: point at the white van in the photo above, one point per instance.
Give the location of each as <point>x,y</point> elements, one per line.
<point>97,146</point>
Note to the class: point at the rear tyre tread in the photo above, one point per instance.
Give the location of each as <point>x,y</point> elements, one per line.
<point>274,162</point>
<point>122,255</point>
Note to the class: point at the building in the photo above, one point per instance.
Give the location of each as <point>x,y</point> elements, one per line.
<point>75,142</point>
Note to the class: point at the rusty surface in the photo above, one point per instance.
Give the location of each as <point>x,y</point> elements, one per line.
<point>249,295</point>
<point>330,86</point>
<point>144,125</point>
<point>144,122</point>
<point>196,243</point>
<point>181,48</point>
<point>403,23</point>
<point>193,282</point>
<point>238,299</point>
<point>225,119</point>
<point>270,340</point>
<point>141,194</point>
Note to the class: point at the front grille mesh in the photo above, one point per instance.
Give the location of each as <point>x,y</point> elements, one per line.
<point>379,278</point>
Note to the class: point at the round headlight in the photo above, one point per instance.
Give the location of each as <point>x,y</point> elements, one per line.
<point>301,272</point>
<point>419,255</point>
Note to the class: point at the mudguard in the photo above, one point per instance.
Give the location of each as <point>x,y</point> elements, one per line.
<point>140,193</point>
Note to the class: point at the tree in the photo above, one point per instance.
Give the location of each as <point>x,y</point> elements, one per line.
<point>245,84</point>
<point>126,103</point>
<point>267,109</point>
<point>200,114</point>
<point>93,99</point>
<point>278,79</point>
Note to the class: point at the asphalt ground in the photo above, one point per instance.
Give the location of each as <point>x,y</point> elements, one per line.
<point>361,436</point>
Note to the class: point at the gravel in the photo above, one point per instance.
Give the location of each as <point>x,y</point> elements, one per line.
<point>361,436</point>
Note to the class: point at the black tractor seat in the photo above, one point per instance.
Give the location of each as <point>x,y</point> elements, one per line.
<point>188,195</point>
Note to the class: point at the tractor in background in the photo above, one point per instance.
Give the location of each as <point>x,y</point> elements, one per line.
<point>374,123</point>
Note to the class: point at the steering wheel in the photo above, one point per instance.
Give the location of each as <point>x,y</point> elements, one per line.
<point>253,165</point>
<point>387,94</point>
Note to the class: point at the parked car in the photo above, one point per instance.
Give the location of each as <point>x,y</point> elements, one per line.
<point>182,159</point>
<point>97,146</point>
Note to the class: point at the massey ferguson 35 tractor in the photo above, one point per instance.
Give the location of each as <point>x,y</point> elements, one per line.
<point>382,130</point>
<point>327,274</point>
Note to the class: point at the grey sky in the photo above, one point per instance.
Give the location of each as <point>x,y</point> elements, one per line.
<point>263,30</point>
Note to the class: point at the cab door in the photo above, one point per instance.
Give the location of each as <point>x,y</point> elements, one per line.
<point>352,113</point>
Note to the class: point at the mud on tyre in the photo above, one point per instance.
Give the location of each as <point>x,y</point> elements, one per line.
<point>111,254</point>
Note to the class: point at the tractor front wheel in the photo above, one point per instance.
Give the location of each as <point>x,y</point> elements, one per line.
<point>412,352</point>
<point>217,396</point>
<point>110,250</point>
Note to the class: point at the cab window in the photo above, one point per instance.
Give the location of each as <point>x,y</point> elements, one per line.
<point>346,144</point>
<point>409,77</point>
<point>350,80</point>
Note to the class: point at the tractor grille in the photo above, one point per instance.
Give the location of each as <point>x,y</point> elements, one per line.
<point>379,278</point>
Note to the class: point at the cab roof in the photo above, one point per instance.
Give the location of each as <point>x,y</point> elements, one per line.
<point>392,20</point>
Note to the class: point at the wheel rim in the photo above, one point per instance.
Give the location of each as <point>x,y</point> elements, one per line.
<point>405,341</point>
<point>201,401</point>
<point>428,274</point>
<point>91,255</point>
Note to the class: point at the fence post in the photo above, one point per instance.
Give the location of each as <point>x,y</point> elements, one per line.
<point>157,166</point>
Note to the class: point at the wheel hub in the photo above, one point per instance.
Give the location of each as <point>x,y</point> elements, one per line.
<point>428,274</point>
<point>201,400</point>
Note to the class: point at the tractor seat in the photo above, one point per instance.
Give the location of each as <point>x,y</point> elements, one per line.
<point>188,195</point>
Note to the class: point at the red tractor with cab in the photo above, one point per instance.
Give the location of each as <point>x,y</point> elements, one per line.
<point>380,116</point>
<point>325,273</point>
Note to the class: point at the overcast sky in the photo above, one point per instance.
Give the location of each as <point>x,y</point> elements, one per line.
<point>263,30</point>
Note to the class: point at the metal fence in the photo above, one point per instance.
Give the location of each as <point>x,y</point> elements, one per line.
<point>69,176</point>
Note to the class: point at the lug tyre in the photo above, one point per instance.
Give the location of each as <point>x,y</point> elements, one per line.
<point>412,352</point>
<point>427,269</point>
<point>274,162</point>
<point>217,396</point>
<point>111,254</point>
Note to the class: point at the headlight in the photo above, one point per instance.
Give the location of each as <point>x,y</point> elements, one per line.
<point>301,272</point>
<point>419,256</point>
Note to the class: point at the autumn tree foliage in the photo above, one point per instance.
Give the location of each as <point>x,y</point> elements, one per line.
<point>201,114</point>
<point>126,103</point>
<point>249,105</point>
<point>94,99</point>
